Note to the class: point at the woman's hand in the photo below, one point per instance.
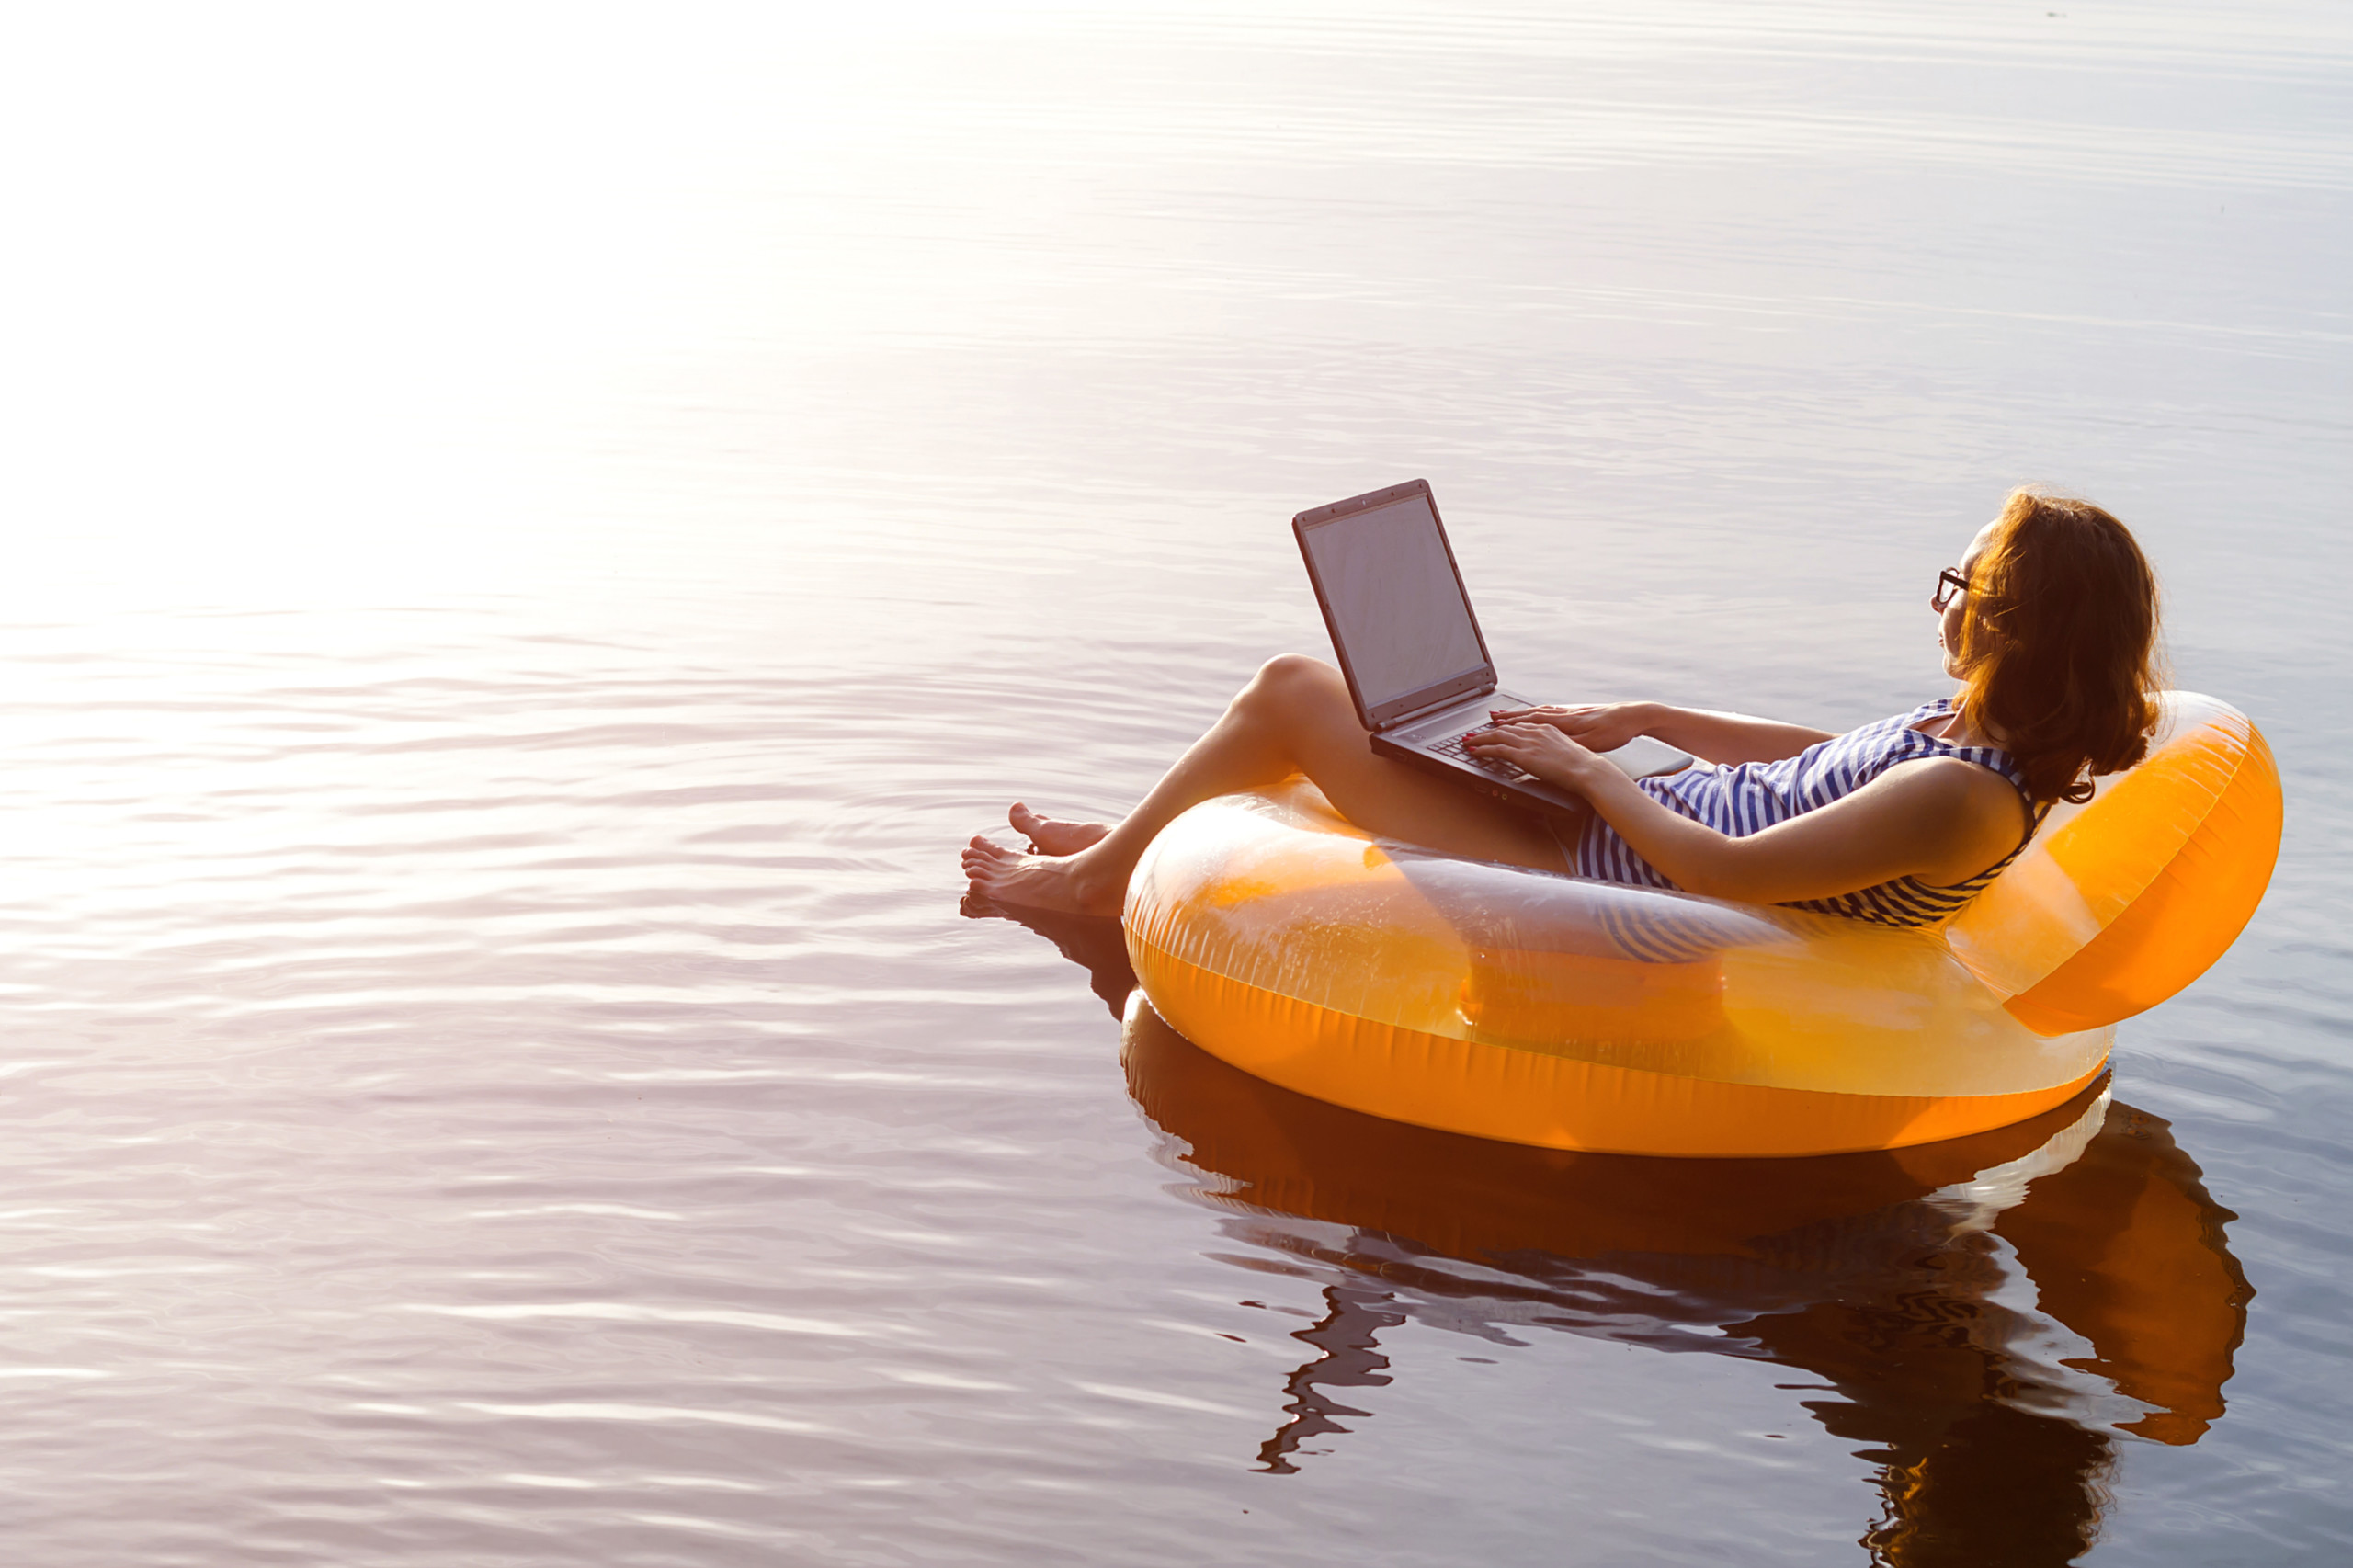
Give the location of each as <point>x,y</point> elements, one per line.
<point>1595,726</point>
<point>1544,749</point>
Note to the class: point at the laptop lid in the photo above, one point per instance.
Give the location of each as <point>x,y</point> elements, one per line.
<point>1392,600</point>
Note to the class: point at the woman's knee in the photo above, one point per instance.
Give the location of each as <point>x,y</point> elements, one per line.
<point>1295,683</point>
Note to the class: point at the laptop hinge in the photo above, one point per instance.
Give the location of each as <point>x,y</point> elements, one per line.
<point>1426,709</point>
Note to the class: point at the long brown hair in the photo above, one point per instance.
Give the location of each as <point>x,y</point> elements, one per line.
<point>2059,646</point>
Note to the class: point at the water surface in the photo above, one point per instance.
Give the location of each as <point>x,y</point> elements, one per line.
<point>533,538</point>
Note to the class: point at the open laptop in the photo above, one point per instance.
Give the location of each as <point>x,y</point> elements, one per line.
<point>1416,664</point>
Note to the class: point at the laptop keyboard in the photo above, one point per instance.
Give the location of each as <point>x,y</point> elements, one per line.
<point>1453,747</point>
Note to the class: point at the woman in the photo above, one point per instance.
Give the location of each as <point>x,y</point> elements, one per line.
<point>2049,623</point>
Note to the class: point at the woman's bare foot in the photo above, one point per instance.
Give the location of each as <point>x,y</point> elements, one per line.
<point>1041,882</point>
<point>1052,836</point>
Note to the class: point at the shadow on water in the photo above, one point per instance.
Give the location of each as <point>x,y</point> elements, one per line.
<point>1983,1315</point>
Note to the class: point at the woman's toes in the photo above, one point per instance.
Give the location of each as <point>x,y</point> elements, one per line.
<point>1052,836</point>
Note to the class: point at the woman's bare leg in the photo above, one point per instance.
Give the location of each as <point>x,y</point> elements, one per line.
<point>1293,717</point>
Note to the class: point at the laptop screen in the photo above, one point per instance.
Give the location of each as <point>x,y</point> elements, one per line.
<point>1395,605</point>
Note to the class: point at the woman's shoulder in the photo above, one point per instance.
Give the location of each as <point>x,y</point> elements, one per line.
<point>1982,803</point>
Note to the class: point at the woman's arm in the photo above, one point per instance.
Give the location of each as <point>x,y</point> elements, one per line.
<point>1711,737</point>
<point>1939,819</point>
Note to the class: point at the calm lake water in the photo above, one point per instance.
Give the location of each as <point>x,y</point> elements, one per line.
<point>534,535</point>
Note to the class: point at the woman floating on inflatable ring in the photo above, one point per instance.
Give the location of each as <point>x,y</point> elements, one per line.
<point>2049,622</point>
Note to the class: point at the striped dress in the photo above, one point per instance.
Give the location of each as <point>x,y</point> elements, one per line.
<point>1744,797</point>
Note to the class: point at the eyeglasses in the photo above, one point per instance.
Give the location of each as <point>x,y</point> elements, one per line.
<point>1950,582</point>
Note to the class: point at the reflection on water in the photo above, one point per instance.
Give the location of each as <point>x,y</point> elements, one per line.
<point>1983,1315</point>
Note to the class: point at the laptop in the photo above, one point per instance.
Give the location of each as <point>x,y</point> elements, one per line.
<point>1416,664</point>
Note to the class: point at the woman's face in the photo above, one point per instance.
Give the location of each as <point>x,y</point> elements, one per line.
<point>1957,610</point>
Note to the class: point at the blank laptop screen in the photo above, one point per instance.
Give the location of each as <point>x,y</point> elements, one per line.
<point>1397,609</point>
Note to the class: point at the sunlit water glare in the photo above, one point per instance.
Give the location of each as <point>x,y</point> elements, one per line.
<point>534,534</point>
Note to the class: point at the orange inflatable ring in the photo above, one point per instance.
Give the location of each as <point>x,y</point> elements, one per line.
<point>1571,1014</point>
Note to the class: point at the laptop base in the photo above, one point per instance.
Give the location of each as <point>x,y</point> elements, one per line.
<point>1412,744</point>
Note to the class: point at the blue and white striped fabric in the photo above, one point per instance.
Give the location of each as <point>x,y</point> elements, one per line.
<point>1745,798</point>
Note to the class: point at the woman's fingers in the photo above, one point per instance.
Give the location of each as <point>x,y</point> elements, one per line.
<point>1573,717</point>
<point>1513,741</point>
<point>1535,749</point>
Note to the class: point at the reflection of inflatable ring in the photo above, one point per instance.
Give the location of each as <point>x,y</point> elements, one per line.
<point>1580,1015</point>
<point>2100,1209</point>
